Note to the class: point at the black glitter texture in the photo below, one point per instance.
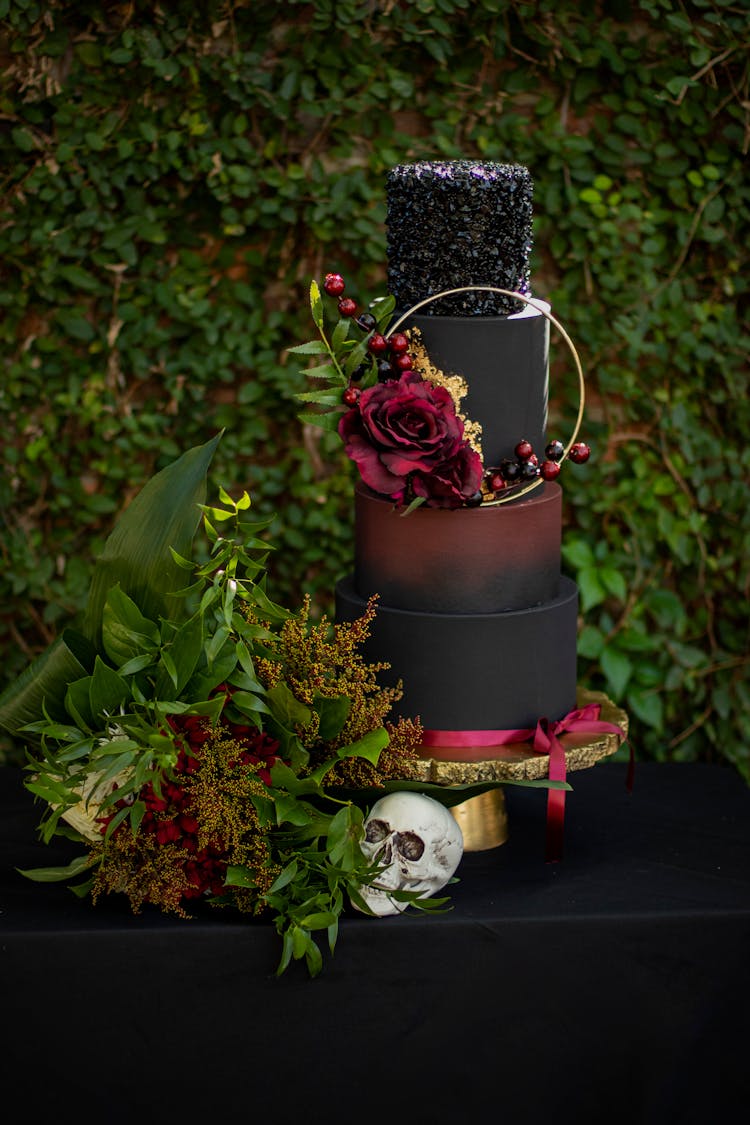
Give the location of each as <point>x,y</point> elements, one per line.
<point>458,222</point>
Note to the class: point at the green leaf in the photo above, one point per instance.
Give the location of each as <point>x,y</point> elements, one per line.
<point>592,591</point>
<point>45,682</point>
<point>316,305</point>
<point>125,631</point>
<point>333,713</point>
<point>286,708</point>
<point>108,691</point>
<point>648,706</point>
<point>185,650</point>
<point>312,347</point>
<point>137,555</point>
<point>56,874</point>
<point>618,668</point>
<point>329,421</point>
<point>369,746</point>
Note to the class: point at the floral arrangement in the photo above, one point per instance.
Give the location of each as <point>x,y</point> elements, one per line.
<point>400,418</point>
<point>203,744</point>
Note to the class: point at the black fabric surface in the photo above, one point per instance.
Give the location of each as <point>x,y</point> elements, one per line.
<point>612,986</point>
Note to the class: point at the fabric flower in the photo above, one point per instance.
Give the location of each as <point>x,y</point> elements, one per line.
<point>449,485</point>
<point>398,428</point>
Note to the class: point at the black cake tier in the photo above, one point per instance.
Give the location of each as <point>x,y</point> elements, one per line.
<point>505,362</point>
<point>483,671</point>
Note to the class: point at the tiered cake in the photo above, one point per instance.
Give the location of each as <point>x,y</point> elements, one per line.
<point>473,614</point>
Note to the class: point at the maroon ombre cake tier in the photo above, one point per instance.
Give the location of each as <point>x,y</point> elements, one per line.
<point>469,560</point>
<point>484,671</point>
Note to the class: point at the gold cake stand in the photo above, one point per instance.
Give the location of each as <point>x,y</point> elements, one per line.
<point>483,819</point>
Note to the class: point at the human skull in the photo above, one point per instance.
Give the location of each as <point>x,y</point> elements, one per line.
<point>418,844</point>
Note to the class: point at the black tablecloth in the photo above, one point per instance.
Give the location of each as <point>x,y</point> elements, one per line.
<point>612,986</point>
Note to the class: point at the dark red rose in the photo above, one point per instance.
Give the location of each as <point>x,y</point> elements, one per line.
<point>398,428</point>
<point>449,485</point>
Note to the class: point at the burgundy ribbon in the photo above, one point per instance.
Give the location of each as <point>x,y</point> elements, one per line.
<point>544,739</point>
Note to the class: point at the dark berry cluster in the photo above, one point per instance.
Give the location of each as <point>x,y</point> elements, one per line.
<point>526,466</point>
<point>390,353</point>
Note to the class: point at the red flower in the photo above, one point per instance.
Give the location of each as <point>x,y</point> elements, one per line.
<point>453,482</point>
<point>398,428</point>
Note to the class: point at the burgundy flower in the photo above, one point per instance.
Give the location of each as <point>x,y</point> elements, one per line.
<point>401,427</point>
<point>449,485</point>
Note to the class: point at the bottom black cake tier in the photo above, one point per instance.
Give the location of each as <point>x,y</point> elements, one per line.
<point>471,672</point>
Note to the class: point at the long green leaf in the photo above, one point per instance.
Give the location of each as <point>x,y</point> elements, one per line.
<point>163,517</point>
<point>44,683</point>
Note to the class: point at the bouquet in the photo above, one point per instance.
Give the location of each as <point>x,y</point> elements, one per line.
<point>202,743</point>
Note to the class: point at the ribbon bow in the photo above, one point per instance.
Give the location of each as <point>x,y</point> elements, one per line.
<point>544,739</point>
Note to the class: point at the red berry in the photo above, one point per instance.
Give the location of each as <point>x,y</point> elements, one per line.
<point>550,469</point>
<point>377,344</point>
<point>347,307</point>
<point>524,450</point>
<point>402,362</point>
<point>334,284</point>
<point>399,343</point>
<point>496,482</point>
<point>579,453</point>
<point>351,396</point>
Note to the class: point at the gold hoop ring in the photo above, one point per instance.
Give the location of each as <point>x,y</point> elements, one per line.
<point>535,304</point>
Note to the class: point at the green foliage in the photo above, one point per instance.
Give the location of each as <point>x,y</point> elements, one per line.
<point>175,176</point>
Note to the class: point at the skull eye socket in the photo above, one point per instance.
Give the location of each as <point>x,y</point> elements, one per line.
<point>410,845</point>
<point>376,831</point>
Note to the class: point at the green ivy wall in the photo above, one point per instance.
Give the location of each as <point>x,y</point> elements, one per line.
<point>174,174</point>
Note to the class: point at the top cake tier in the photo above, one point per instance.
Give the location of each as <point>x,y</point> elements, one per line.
<point>458,223</point>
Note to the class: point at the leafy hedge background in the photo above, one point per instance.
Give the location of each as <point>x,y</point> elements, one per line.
<point>173,175</point>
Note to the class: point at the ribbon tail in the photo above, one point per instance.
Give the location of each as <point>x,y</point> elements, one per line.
<point>630,779</point>
<point>555,797</point>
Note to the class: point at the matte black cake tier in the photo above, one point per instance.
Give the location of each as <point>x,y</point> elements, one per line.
<point>505,362</point>
<point>484,671</point>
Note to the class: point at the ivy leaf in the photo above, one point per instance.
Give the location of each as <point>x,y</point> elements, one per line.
<point>618,668</point>
<point>138,553</point>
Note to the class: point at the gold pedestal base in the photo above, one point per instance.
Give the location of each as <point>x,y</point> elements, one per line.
<point>483,819</point>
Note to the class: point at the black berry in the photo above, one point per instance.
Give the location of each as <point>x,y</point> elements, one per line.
<point>510,470</point>
<point>555,450</point>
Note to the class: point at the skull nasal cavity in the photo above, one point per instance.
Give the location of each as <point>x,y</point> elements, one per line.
<point>409,845</point>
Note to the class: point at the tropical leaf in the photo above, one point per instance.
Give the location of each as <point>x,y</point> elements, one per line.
<point>138,556</point>
<point>45,682</point>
